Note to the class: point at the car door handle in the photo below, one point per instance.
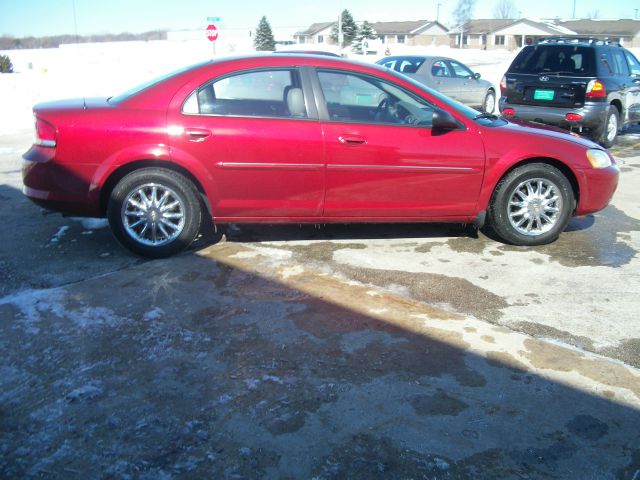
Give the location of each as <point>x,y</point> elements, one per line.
<point>197,134</point>
<point>352,139</point>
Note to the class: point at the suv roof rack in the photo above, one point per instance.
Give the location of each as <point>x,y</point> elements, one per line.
<point>589,40</point>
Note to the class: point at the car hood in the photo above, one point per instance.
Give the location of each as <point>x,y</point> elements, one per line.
<point>531,128</point>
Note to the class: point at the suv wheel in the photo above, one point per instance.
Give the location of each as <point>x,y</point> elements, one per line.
<point>531,205</point>
<point>154,212</point>
<point>610,130</point>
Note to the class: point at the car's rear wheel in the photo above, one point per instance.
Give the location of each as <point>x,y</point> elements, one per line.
<point>154,212</point>
<point>489,104</point>
<point>531,205</point>
<point>611,126</point>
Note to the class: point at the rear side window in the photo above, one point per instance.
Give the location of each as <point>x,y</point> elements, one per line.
<point>621,67</point>
<point>262,93</point>
<point>634,65</point>
<point>557,59</point>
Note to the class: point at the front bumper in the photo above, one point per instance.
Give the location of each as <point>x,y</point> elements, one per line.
<point>597,186</point>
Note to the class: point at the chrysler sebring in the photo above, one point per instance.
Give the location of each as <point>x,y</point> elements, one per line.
<point>304,139</point>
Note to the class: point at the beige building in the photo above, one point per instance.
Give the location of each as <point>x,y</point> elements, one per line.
<point>504,33</point>
<point>512,34</point>
<point>624,31</point>
<point>419,32</point>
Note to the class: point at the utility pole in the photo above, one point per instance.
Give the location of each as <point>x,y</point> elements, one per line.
<point>574,9</point>
<point>438,12</point>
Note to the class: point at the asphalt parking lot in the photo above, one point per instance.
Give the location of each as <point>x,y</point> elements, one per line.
<point>367,351</point>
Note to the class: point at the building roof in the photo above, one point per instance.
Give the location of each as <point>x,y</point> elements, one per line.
<point>493,25</point>
<point>603,27</point>
<point>403,28</point>
<point>315,28</point>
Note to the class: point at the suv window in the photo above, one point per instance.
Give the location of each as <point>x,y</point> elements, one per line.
<point>548,59</point>
<point>633,63</point>
<point>262,93</point>
<point>620,63</point>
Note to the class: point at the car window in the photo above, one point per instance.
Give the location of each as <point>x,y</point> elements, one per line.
<point>363,99</point>
<point>440,69</point>
<point>568,59</point>
<point>403,64</point>
<point>262,93</point>
<point>620,62</point>
<point>460,70</point>
<point>634,65</point>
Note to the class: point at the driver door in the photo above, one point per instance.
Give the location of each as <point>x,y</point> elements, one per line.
<point>384,160</point>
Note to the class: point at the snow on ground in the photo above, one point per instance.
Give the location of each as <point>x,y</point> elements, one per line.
<point>105,69</point>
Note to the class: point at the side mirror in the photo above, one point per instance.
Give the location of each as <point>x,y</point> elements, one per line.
<point>476,76</point>
<point>443,121</point>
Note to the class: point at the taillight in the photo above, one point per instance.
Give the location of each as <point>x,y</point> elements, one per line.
<point>46,134</point>
<point>503,85</point>
<point>595,89</point>
<point>573,117</point>
<point>508,112</point>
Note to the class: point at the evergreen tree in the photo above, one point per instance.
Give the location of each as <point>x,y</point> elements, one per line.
<point>349,29</point>
<point>5,64</point>
<point>365,32</point>
<point>264,36</point>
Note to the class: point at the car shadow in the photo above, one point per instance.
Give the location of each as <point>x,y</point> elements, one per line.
<point>217,365</point>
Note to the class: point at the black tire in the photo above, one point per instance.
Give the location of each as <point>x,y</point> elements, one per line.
<point>154,212</point>
<point>525,199</point>
<point>611,127</point>
<point>489,98</point>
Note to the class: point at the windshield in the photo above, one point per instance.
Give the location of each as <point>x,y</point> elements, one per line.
<point>135,90</point>
<point>572,60</point>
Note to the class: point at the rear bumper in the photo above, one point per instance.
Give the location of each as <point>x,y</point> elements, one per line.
<point>58,187</point>
<point>594,115</point>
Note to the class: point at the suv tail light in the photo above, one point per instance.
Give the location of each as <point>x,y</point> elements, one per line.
<point>595,89</point>
<point>503,85</point>
<point>46,134</point>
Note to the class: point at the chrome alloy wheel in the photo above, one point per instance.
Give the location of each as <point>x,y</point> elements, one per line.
<point>535,206</point>
<point>153,214</point>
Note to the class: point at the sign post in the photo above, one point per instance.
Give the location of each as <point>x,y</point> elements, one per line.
<point>212,32</point>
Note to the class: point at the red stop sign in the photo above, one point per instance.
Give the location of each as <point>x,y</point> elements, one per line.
<point>212,33</point>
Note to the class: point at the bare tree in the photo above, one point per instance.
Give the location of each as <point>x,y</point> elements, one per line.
<point>505,9</point>
<point>461,15</point>
<point>593,14</point>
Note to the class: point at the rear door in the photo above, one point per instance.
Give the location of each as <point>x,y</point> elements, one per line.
<point>260,142</point>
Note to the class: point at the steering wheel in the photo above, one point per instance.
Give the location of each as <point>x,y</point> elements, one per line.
<point>382,109</point>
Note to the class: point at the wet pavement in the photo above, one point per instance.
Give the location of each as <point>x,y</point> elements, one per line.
<point>386,351</point>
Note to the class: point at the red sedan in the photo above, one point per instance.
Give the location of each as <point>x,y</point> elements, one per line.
<point>304,139</point>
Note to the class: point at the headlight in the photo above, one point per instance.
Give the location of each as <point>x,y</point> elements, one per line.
<point>599,158</point>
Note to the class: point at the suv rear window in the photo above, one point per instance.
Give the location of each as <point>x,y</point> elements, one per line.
<point>571,60</point>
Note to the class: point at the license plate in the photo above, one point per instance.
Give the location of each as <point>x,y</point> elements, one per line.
<point>543,94</point>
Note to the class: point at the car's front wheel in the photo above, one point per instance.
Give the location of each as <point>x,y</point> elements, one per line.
<point>154,212</point>
<point>531,205</point>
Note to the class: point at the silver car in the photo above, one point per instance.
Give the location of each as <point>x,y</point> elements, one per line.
<point>448,76</point>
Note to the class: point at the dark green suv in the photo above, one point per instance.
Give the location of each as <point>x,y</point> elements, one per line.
<point>587,85</point>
